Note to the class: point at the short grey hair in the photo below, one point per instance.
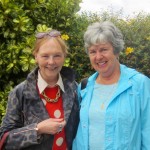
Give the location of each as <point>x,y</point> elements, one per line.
<point>100,32</point>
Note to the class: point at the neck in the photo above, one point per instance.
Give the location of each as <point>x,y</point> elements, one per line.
<point>111,79</point>
<point>52,82</point>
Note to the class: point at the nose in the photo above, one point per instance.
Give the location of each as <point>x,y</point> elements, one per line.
<point>51,60</point>
<point>99,55</point>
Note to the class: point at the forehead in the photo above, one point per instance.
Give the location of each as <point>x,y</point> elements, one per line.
<point>50,45</point>
<point>100,45</point>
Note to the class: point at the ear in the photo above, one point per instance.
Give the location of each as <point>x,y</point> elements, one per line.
<point>36,59</point>
<point>117,56</point>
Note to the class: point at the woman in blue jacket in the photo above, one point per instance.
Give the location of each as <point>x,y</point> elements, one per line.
<point>115,105</point>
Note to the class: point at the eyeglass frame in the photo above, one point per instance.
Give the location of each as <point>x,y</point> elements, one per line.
<point>52,33</point>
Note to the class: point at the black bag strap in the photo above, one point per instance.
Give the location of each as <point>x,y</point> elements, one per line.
<point>84,83</point>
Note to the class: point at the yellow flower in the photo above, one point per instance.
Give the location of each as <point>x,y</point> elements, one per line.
<point>129,50</point>
<point>65,37</point>
<point>148,38</point>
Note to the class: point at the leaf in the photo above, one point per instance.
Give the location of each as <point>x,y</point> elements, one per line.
<point>32,61</point>
<point>9,67</point>
<point>25,68</point>
<point>7,11</point>
<point>16,21</point>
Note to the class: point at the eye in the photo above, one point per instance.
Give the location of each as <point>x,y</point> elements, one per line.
<point>92,52</point>
<point>104,50</point>
<point>57,55</point>
<point>45,56</point>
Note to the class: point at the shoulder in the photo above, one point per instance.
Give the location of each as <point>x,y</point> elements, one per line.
<point>87,81</point>
<point>138,79</point>
<point>68,73</point>
<point>69,78</point>
<point>15,96</point>
<point>18,89</point>
<point>141,81</point>
<point>137,76</point>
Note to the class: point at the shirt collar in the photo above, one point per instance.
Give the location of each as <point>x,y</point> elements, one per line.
<point>42,84</point>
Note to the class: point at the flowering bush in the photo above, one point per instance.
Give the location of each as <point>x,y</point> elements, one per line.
<point>129,50</point>
<point>19,21</point>
<point>137,42</point>
<point>65,37</point>
<point>18,24</point>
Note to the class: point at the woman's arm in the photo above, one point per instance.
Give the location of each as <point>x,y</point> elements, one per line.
<point>19,136</point>
<point>145,113</point>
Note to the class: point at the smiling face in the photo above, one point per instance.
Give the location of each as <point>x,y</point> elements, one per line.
<point>103,59</point>
<point>50,59</point>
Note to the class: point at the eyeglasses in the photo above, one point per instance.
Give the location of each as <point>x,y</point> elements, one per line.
<point>52,33</point>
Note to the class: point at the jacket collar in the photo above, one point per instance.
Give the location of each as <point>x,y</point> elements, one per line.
<point>31,93</point>
<point>124,82</point>
<point>126,73</point>
<point>66,72</point>
<point>125,78</point>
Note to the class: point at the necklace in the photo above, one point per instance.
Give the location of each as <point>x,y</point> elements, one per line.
<point>110,94</point>
<point>54,100</point>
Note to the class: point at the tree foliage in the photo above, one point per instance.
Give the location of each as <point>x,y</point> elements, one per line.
<point>136,35</point>
<point>21,19</point>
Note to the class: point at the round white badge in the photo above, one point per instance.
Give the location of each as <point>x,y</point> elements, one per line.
<point>57,113</point>
<point>59,141</point>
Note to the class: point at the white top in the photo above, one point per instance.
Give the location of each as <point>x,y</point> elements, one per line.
<point>42,84</point>
<point>101,97</point>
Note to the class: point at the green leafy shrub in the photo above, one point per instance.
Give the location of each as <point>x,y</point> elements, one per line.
<point>21,19</point>
<point>136,35</point>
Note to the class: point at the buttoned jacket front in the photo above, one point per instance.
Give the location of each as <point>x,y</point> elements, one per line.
<point>25,109</point>
<point>127,123</point>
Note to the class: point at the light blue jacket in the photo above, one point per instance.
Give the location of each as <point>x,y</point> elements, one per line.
<point>127,125</point>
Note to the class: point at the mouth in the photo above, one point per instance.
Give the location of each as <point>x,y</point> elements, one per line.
<point>51,68</point>
<point>102,64</point>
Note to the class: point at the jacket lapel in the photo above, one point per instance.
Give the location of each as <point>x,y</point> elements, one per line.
<point>68,99</point>
<point>33,101</point>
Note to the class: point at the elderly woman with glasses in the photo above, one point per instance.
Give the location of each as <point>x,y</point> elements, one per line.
<point>42,111</point>
<point>115,104</point>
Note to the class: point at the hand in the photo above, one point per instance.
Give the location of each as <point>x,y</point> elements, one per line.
<point>51,126</point>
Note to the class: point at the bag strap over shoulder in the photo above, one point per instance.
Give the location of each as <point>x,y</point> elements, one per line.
<point>2,141</point>
<point>84,83</point>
